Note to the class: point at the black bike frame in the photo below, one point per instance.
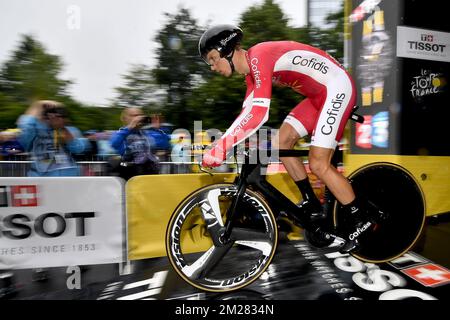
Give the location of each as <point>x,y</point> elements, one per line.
<point>251,176</point>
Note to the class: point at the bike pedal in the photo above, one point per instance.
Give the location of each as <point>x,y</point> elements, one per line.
<point>349,247</point>
<point>318,238</point>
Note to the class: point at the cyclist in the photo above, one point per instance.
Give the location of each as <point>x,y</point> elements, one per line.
<point>329,99</point>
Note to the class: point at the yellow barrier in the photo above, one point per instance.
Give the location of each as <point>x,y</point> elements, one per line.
<point>152,199</point>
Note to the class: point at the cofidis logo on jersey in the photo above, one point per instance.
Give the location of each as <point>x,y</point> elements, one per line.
<point>256,73</point>
<point>312,63</point>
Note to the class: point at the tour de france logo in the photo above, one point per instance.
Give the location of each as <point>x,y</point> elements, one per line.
<point>427,83</point>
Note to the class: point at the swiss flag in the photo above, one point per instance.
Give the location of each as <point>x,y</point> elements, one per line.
<point>430,275</point>
<point>24,196</point>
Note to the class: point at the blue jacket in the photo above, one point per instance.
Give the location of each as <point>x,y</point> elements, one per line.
<point>7,147</point>
<point>133,145</point>
<point>50,159</point>
<point>159,139</point>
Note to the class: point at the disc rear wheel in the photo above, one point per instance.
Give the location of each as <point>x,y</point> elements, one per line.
<point>396,193</point>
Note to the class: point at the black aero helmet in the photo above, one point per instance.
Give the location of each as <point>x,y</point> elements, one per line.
<point>223,38</point>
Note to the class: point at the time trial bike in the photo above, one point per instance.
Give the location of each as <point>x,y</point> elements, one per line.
<point>222,237</point>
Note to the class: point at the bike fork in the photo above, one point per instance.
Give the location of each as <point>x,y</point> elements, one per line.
<point>220,234</point>
<point>231,212</point>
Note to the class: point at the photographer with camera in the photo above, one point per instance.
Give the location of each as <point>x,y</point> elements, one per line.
<point>134,146</point>
<point>50,142</point>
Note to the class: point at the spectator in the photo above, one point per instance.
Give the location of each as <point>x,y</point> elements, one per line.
<point>133,145</point>
<point>105,149</point>
<point>159,140</point>
<point>181,154</point>
<point>91,154</point>
<point>9,146</point>
<point>90,166</point>
<point>51,143</point>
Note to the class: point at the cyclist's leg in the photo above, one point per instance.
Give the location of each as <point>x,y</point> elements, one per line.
<point>290,132</point>
<point>331,121</point>
<point>286,139</point>
<point>320,165</point>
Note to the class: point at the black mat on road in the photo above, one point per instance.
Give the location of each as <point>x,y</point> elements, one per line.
<point>298,272</point>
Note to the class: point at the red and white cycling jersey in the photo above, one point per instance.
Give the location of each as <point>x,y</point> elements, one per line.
<point>329,91</point>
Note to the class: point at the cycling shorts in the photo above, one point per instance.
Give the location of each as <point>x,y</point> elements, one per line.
<point>324,115</point>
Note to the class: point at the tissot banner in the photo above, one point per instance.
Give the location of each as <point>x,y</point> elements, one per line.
<point>50,222</point>
<point>423,44</point>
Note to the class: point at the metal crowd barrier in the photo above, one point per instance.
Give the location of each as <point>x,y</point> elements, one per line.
<point>14,168</point>
<point>19,166</point>
<point>95,168</point>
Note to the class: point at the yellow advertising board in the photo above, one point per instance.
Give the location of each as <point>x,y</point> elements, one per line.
<point>152,199</point>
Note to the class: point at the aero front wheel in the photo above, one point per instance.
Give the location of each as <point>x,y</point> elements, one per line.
<point>394,191</point>
<point>226,266</point>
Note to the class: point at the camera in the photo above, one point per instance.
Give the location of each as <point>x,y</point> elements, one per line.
<point>145,120</point>
<point>59,111</point>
